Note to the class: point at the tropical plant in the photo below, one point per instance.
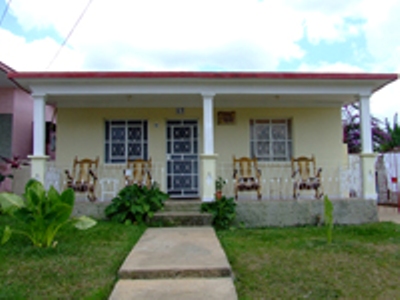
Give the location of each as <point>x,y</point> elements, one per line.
<point>328,214</point>
<point>223,211</point>
<point>394,135</point>
<point>41,214</point>
<point>135,204</point>
<point>219,184</point>
<point>352,130</point>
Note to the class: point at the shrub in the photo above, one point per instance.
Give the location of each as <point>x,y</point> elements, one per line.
<point>135,204</point>
<point>41,214</point>
<point>223,211</point>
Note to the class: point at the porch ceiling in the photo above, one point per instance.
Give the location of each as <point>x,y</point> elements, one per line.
<point>185,89</point>
<point>193,100</point>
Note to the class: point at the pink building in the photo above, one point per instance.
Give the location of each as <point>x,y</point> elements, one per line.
<point>16,119</point>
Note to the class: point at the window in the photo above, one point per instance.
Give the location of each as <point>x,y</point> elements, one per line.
<point>271,139</point>
<point>125,140</point>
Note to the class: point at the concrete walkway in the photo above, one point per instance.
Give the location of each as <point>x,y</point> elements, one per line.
<point>388,214</point>
<point>176,263</point>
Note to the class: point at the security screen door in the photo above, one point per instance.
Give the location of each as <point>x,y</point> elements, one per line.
<point>182,159</point>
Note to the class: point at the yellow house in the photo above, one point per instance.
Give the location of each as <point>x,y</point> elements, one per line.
<point>191,124</point>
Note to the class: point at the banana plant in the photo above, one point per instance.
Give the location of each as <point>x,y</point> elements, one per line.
<point>41,213</point>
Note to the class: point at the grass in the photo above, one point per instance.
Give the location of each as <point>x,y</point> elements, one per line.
<point>363,262</point>
<point>84,264</point>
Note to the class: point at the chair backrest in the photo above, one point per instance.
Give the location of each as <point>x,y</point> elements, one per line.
<point>138,170</point>
<point>81,168</point>
<point>304,166</point>
<point>245,166</point>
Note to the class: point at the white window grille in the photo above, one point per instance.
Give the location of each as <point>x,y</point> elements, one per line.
<point>125,139</point>
<point>271,139</point>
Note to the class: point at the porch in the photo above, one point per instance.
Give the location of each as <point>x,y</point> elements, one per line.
<point>340,182</point>
<point>305,107</point>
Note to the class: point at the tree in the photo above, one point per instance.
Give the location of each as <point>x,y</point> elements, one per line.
<point>394,135</point>
<point>352,130</point>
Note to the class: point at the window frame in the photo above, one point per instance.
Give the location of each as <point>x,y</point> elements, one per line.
<point>287,140</point>
<point>126,124</point>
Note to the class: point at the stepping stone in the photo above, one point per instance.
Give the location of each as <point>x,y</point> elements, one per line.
<point>176,252</point>
<point>175,289</point>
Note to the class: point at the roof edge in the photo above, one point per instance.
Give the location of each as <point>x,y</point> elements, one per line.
<point>203,75</point>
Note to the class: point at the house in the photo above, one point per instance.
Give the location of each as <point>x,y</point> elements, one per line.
<point>191,124</point>
<point>16,119</point>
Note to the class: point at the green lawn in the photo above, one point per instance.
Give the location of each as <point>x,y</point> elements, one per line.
<point>363,262</point>
<point>84,264</point>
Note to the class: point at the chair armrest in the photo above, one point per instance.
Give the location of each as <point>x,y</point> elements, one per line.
<point>92,174</point>
<point>319,171</point>
<point>149,174</point>
<point>235,174</point>
<point>295,173</point>
<point>68,175</point>
<point>258,175</point>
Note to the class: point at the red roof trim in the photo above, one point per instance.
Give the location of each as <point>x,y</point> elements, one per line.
<point>8,70</point>
<point>204,75</point>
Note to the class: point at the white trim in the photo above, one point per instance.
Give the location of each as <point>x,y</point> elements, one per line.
<point>208,123</point>
<point>39,121</point>
<point>365,121</point>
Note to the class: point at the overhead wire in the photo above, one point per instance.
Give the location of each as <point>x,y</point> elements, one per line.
<point>69,34</point>
<point>3,15</point>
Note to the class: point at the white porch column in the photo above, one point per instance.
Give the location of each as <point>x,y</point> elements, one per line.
<point>208,158</point>
<point>367,155</point>
<point>39,158</point>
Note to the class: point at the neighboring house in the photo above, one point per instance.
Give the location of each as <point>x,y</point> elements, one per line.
<point>16,119</point>
<point>191,124</point>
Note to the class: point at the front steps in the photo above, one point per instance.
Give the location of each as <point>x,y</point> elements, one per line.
<point>181,213</point>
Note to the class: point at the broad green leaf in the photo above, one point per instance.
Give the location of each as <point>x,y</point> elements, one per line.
<point>36,186</point>
<point>53,196</point>
<point>6,235</point>
<point>58,214</point>
<point>84,222</point>
<point>10,202</point>
<point>68,197</point>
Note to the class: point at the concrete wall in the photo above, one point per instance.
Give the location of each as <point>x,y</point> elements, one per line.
<point>255,214</point>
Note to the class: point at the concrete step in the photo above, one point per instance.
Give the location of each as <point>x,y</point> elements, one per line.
<point>182,205</point>
<point>176,252</point>
<point>175,289</point>
<point>181,218</point>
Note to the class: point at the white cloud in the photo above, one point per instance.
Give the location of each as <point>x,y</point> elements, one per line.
<point>330,68</point>
<point>385,103</point>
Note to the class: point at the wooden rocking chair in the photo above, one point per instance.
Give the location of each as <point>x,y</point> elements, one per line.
<point>138,172</point>
<point>83,178</point>
<point>246,175</point>
<point>306,176</point>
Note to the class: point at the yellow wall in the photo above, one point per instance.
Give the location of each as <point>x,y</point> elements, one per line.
<point>314,130</point>
<point>81,131</point>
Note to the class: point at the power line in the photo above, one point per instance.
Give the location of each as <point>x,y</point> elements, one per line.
<point>5,12</point>
<point>69,34</point>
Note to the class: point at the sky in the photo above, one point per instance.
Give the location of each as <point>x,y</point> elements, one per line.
<point>207,35</point>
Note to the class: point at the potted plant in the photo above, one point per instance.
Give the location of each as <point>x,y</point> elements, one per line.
<point>219,184</point>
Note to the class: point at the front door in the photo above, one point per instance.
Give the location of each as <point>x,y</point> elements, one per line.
<point>182,159</point>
